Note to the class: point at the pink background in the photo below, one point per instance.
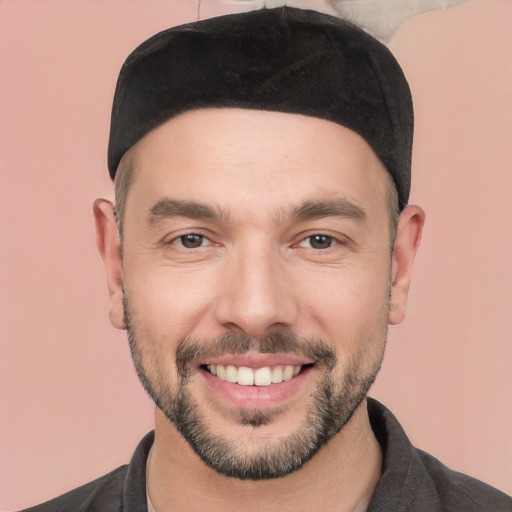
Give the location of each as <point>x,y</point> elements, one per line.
<point>71,405</point>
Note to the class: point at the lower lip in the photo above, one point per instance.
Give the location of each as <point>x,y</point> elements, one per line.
<point>255,397</point>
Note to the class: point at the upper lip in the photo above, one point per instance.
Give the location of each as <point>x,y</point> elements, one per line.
<point>256,360</point>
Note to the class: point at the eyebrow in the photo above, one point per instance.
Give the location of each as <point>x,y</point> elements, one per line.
<point>167,208</point>
<point>338,207</point>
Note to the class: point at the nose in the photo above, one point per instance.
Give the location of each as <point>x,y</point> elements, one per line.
<point>256,294</point>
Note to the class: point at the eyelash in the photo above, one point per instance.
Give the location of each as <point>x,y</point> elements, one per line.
<point>180,240</point>
<point>332,241</point>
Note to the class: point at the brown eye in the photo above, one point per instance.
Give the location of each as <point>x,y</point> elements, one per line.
<point>191,241</point>
<point>320,241</point>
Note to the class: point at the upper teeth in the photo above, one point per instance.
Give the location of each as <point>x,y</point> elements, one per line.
<point>254,377</point>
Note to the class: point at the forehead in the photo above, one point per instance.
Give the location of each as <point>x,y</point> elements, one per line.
<point>249,156</point>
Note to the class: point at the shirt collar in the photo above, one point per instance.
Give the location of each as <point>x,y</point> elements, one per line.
<point>401,472</point>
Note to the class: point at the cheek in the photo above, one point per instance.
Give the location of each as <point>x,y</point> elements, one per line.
<point>168,303</point>
<point>350,306</point>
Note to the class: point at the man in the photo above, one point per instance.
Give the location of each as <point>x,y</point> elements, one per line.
<point>260,244</point>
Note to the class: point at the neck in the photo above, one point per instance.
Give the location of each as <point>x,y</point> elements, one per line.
<point>341,477</point>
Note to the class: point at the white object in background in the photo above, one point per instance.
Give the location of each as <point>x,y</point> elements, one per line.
<point>380,18</point>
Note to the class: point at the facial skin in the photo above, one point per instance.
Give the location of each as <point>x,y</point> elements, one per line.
<point>257,239</point>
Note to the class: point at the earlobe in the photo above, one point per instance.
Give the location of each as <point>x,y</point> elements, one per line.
<point>109,247</point>
<point>407,242</point>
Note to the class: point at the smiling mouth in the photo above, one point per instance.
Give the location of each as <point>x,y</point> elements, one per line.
<point>264,376</point>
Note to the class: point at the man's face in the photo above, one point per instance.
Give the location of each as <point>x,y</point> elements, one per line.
<point>257,248</point>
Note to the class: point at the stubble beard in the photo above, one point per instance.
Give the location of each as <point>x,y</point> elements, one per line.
<point>333,403</point>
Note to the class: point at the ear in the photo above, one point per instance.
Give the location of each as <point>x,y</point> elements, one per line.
<point>407,241</point>
<point>107,240</point>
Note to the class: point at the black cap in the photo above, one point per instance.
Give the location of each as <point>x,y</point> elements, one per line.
<point>284,59</point>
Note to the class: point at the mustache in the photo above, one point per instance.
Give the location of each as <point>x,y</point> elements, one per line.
<point>190,351</point>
